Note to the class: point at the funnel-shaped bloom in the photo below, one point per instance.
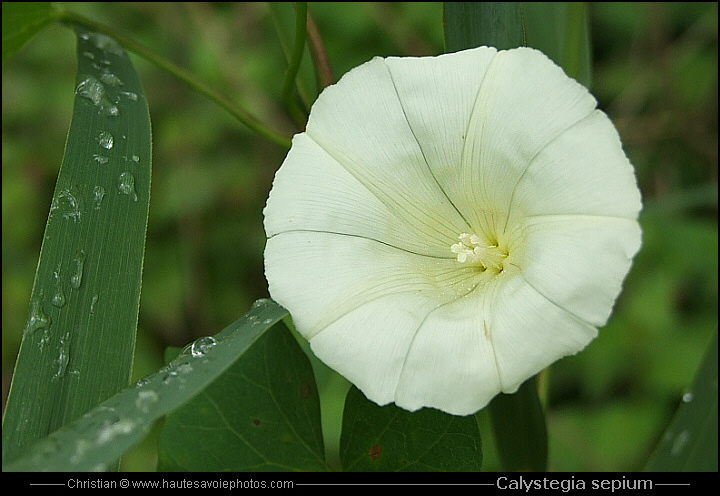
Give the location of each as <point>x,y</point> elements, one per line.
<point>447,227</point>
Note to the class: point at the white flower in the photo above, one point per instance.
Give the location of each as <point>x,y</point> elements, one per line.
<point>447,227</point>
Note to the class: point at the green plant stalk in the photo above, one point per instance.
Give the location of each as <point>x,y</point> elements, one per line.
<point>574,26</point>
<point>294,65</point>
<point>222,101</point>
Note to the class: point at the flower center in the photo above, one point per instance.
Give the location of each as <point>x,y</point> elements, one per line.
<point>472,250</point>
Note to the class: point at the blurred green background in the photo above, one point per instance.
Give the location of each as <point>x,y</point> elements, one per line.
<point>655,74</point>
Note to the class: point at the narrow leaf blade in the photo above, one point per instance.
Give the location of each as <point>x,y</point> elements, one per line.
<point>560,30</point>
<point>690,443</point>
<point>79,340</point>
<point>473,24</point>
<point>99,438</point>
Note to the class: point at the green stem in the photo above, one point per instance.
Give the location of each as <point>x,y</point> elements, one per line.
<point>574,24</point>
<point>294,64</point>
<point>236,111</point>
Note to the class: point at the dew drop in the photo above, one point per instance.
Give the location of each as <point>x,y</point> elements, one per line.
<point>687,397</point>
<point>146,400</point>
<point>81,447</point>
<point>679,442</point>
<point>63,358</point>
<point>91,89</point>
<point>37,318</point>
<point>129,95</point>
<point>67,204</point>
<point>202,345</point>
<point>58,298</point>
<point>105,140</point>
<point>183,368</point>
<point>169,376</point>
<point>106,44</point>
<point>111,79</point>
<point>142,382</point>
<point>92,304</point>
<point>100,159</point>
<point>98,195</point>
<point>76,278</point>
<point>261,303</point>
<point>115,429</point>
<point>126,185</point>
<point>95,91</point>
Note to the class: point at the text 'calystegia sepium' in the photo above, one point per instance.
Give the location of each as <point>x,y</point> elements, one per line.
<point>447,227</point>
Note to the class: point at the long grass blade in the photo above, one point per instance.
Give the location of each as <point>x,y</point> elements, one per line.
<point>79,340</point>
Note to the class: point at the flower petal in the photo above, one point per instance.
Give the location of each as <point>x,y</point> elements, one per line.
<point>583,171</point>
<point>579,263</point>
<point>451,363</point>
<point>437,95</point>
<point>368,345</point>
<point>361,270</point>
<point>529,332</point>
<point>524,103</point>
<point>313,192</point>
<point>360,123</point>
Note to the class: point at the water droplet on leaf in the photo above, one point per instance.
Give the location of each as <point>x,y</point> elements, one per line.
<point>105,140</point>
<point>129,95</point>
<point>95,91</point>
<point>58,298</point>
<point>680,442</point>
<point>111,79</point>
<point>76,278</point>
<point>98,195</point>
<point>126,185</point>
<point>202,345</point>
<point>67,204</point>
<point>92,304</point>
<point>100,159</point>
<point>37,318</point>
<point>146,400</point>
<point>63,358</point>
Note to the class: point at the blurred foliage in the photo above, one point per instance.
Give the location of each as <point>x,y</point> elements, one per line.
<point>655,74</point>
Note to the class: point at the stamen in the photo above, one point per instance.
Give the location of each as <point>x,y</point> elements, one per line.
<point>472,249</point>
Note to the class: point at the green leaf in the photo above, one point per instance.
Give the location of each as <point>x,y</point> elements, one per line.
<point>519,427</point>
<point>21,21</point>
<point>262,414</point>
<point>389,438</point>
<point>96,440</point>
<point>690,443</point>
<point>79,340</point>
